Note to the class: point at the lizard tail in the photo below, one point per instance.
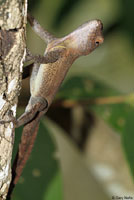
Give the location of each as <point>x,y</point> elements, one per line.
<point>28,137</point>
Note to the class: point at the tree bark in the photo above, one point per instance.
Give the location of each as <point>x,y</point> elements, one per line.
<point>13,17</point>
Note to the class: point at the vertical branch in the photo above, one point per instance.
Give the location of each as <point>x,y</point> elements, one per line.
<point>12,54</point>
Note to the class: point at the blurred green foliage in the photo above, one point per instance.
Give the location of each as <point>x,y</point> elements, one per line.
<point>118,115</point>
<point>107,72</point>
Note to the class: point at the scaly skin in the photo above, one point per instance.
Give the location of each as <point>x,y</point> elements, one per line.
<point>47,78</point>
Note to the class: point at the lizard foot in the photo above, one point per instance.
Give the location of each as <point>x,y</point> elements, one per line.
<point>35,106</point>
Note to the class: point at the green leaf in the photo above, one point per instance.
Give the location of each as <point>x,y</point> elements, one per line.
<point>54,191</point>
<point>78,181</point>
<point>83,87</point>
<point>119,116</point>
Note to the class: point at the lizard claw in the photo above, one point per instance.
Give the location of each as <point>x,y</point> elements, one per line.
<point>11,118</point>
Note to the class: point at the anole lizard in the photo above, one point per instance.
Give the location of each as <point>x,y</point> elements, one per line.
<point>46,78</point>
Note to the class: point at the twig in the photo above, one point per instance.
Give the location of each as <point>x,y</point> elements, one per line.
<point>95,101</point>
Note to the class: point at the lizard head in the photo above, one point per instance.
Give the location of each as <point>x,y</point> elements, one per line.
<point>86,38</point>
<point>82,41</point>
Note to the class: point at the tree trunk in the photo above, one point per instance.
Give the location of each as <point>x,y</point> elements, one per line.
<point>12,54</point>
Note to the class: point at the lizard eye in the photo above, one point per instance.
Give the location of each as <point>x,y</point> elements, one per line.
<point>99,40</point>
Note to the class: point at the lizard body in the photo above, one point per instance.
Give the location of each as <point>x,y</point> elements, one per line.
<point>46,79</point>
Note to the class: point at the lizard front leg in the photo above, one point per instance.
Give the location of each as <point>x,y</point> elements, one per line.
<point>41,32</point>
<point>49,57</point>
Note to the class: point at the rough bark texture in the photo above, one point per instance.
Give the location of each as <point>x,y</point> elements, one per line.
<point>12,53</point>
